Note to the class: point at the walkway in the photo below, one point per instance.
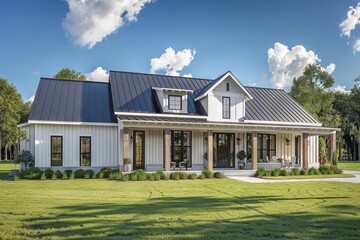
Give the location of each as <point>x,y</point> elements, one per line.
<point>355,179</point>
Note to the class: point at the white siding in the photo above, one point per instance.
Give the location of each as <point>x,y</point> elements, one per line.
<point>198,149</point>
<point>283,150</point>
<point>104,144</point>
<point>29,142</point>
<point>163,97</point>
<point>314,151</point>
<point>154,147</point>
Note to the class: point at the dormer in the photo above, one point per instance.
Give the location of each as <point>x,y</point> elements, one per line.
<point>224,99</point>
<point>172,100</point>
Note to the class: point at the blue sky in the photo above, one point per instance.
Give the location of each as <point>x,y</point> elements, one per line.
<point>211,37</point>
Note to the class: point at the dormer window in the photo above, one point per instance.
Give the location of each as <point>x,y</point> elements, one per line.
<point>226,107</point>
<point>227,85</point>
<point>175,102</point>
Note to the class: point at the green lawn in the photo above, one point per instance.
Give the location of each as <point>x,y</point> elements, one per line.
<point>197,209</point>
<point>309,176</point>
<point>5,166</point>
<point>350,165</point>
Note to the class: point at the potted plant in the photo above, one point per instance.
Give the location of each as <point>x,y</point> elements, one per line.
<point>241,155</point>
<point>127,165</point>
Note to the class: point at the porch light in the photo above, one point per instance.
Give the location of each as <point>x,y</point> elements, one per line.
<point>287,141</point>
<point>131,139</point>
<point>238,140</point>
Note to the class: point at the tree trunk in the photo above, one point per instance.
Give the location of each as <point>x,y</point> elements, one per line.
<point>340,152</point>
<point>358,156</point>
<point>6,152</point>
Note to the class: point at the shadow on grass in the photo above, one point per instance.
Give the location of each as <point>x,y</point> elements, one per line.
<point>196,218</point>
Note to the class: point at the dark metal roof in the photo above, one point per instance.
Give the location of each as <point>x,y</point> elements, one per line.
<point>72,100</point>
<point>163,119</point>
<point>275,105</point>
<point>132,92</point>
<point>212,83</point>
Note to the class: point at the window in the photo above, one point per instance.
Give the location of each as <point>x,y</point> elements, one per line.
<point>175,102</point>
<point>85,151</point>
<point>56,151</point>
<point>181,147</point>
<point>227,86</point>
<point>226,107</point>
<point>266,146</point>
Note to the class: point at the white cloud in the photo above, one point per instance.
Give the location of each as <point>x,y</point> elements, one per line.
<point>187,75</point>
<point>285,64</point>
<point>353,19</point>
<point>357,46</point>
<point>89,22</point>
<point>253,84</point>
<point>172,62</point>
<point>341,89</point>
<point>99,75</point>
<point>31,99</point>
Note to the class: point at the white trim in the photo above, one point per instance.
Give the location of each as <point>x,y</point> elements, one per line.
<point>73,123</point>
<point>283,123</point>
<point>248,96</point>
<point>23,124</point>
<point>173,89</point>
<point>159,115</point>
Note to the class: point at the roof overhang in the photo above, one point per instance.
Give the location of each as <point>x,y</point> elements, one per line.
<point>162,115</point>
<point>282,123</point>
<point>247,94</point>
<point>173,90</point>
<point>71,123</point>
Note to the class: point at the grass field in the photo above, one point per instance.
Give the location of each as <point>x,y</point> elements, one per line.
<point>197,209</point>
<point>309,176</point>
<point>350,165</point>
<point>5,166</point>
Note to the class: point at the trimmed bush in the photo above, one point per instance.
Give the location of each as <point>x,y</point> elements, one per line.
<point>175,176</point>
<point>49,172</point>
<point>106,172</point>
<point>58,174</point>
<point>183,175</point>
<point>260,172</point>
<point>90,172</point>
<point>133,177</point>
<point>166,177</point>
<point>100,174</point>
<point>312,171</point>
<point>80,173</point>
<point>115,175</point>
<point>68,172</point>
<point>304,171</point>
<point>295,172</point>
<point>151,177</point>
<point>218,175</point>
<point>125,177</point>
<point>157,177</point>
<point>162,174</point>
<point>192,176</point>
<point>207,173</point>
<point>72,176</point>
<point>202,176</point>
<point>284,173</point>
<point>94,176</point>
<point>53,177</point>
<point>43,176</point>
<point>31,173</point>
<point>275,172</point>
<point>336,169</point>
<point>16,178</point>
<point>268,172</point>
<point>324,170</point>
<point>64,176</point>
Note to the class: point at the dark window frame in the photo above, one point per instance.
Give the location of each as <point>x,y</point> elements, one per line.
<point>260,145</point>
<point>182,146</point>
<point>175,96</point>
<point>52,153</point>
<point>81,153</point>
<point>227,86</point>
<point>228,110</point>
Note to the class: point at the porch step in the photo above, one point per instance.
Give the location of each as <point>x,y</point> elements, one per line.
<point>232,173</point>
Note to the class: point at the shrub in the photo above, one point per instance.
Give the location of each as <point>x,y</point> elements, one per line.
<point>16,178</point>
<point>162,174</point>
<point>157,177</point>
<point>80,173</point>
<point>218,175</point>
<point>100,174</point>
<point>133,177</point>
<point>141,175</point>
<point>87,175</point>
<point>125,177</point>
<point>283,172</point>
<point>268,172</point>
<point>115,175</point>
<point>183,175</point>
<point>127,161</point>
<point>68,172</point>
<point>312,171</point>
<point>260,172</point>
<point>166,177</point>
<point>295,172</point>
<point>72,176</point>
<point>275,172</point>
<point>25,157</point>
<point>58,174</point>
<point>43,176</point>
<point>192,176</point>
<point>90,172</point>
<point>175,176</point>
<point>336,169</point>
<point>207,173</point>
<point>49,172</point>
<point>151,177</point>
<point>93,176</point>
<point>202,176</point>
<point>324,170</point>
<point>106,172</point>
<point>64,176</point>
<point>53,176</point>
<point>304,171</point>
<point>335,157</point>
<point>31,173</point>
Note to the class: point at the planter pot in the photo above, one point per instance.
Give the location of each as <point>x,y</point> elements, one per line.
<point>241,164</point>
<point>127,168</point>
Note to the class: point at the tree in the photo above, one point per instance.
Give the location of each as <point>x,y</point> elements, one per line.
<point>10,105</point>
<point>24,112</point>
<point>67,73</point>
<point>310,90</point>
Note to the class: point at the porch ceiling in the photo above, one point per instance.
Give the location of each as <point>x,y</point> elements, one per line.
<point>203,124</point>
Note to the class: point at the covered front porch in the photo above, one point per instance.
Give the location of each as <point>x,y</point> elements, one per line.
<point>173,144</point>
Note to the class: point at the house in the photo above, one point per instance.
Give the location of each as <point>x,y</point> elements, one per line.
<point>165,122</point>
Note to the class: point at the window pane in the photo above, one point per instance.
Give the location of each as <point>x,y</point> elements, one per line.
<point>56,151</point>
<point>85,151</point>
<point>85,159</point>
<point>226,107</point>
<point>272,142</point>
<point>175,102</point>
<point>187,138</point>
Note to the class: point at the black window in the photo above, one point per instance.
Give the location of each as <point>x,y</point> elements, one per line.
<point>226,107</point>
<point>175,102</point>
<point>56,151</point>
<point>227,86</point>
<point>181,147</point>
<point>266,146</point>
<point>85,151</point>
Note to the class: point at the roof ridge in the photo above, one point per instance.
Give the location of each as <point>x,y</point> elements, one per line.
<point>276,89</point>
<point>72,80</point>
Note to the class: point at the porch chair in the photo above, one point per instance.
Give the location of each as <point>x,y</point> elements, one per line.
<point>173,165</point>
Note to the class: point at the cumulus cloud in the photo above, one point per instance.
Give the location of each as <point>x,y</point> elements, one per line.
<point>357,46</point>
<point>89,22</point>
<point>99,75</point>
<point>286,64</point>
<point>353,19</point>
<point>31,99</point>
<point>187,75</point>
<point>172,62</point>
<point>341,89</point>
<point>330,68</point>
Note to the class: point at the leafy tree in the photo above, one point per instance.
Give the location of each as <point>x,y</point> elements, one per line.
<point>24,112</point>
<point>67,73</point>
<point>10,105</point>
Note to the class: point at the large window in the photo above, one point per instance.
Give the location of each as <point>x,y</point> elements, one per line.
<point>175,102</point>
<point>56,151</point>
<point>266,146</point>
<point>85,151</point>
<point>181,147</point>
<point>226,107</point>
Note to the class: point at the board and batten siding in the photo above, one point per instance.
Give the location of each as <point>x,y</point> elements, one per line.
<point>104,145</point>
<point>314,151</point>
<point>29,142</point>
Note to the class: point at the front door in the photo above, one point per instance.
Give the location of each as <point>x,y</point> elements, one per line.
<point>139,150</point>
<point>224,150</point>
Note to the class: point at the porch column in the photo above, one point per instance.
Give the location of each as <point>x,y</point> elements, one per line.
<point>305,152</point>
<point>210,153</point>
<point>332,146</point>
<point>254,150</point>
<point>126,143</point>
<point>167,149</point>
